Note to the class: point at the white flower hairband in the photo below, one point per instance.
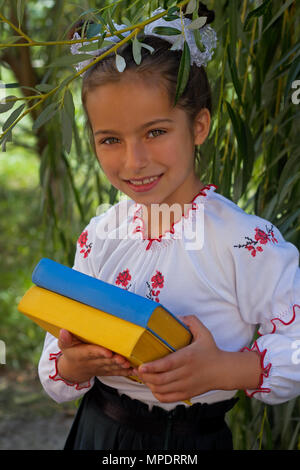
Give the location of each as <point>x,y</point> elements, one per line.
<point>208,39</point>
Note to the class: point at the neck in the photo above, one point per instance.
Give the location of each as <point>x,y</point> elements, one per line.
<point>159,218</point>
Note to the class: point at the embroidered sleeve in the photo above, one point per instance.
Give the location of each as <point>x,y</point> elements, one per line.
<point>56,377</point>
<point>268,294</point>
<point>55,386</point>
<point>59,389</point>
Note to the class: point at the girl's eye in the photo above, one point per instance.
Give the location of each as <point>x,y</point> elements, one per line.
<point>113,140</point>
<point>108,141</point>
<point>157,132</point>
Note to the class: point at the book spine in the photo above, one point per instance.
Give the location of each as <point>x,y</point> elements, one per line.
<point>161,339</point>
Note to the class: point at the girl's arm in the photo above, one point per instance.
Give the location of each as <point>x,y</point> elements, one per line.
<point>68,366</point>
<point>79,362</point>
<point>267,286</point>
<point>199,368</point>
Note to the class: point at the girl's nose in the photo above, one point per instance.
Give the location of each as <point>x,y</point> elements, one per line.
<point>136,156</point>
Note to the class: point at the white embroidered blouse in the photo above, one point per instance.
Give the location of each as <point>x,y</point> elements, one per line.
<point>238,274</point>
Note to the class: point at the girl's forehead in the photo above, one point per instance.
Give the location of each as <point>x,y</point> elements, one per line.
<point>125,90</point>
<point>128,101</point>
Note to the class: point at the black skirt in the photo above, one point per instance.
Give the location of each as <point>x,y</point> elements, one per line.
<point>107,421</point>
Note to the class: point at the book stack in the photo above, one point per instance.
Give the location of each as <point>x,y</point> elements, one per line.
<point>100,313</point>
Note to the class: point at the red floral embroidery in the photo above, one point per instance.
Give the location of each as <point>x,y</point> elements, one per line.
<point>157,281</point>
<point>82,241</point>
<point>260,237</point>
<point>123,278</point>
<point>83,238</point>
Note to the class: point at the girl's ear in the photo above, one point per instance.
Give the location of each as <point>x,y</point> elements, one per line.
<point>202,126</point>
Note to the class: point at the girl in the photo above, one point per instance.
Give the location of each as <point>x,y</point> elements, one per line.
<point>242,275</point>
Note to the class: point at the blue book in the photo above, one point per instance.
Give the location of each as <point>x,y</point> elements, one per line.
<point>151,315</point>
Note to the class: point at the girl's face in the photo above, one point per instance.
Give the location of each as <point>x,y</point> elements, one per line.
<point>144,145</point>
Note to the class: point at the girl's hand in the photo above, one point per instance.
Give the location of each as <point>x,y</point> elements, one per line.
<point>200,367</point>
<point>187,372</point>
<point>80,361</point>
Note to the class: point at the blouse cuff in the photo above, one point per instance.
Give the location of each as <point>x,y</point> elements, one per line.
<point>56,377</point>
<point>265,371</point>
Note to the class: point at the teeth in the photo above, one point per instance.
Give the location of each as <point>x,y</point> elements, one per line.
<point>145,181</point>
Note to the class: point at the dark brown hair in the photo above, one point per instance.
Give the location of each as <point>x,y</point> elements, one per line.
<point>160,67</point>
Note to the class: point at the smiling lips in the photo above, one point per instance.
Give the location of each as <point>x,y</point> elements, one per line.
<point>143,184</point>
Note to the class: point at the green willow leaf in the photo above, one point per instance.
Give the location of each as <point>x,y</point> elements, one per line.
<point>234,75</point>
<point>93,30</point>
<point>151,49</point>
<point>260,11</point>
<point>6,138</point>
<point>66,129</point>
<point>280,12</point>
<point>245,146</point>
<point>198,40</point>
<point>191,7</point>
<point>137,51</point>
<point>93,46</point>
<point>249,156</point>
<point>198,23</point>
<point>86,12</point>
<point>112,27</point>
<point>20,11</point>
<point>67,60</point>
<point>69,104</point>
<point>184,71</point>
<point>13,117</point>
<point>44,87</point>
<point>7,105</point>
<point>120,63</point>
<point>233,14</point>
<point>171,17</point>
<point>166,31</point>
<point>126,21</point>
<point>45,116</point>
<point>173,10</point>
<point>295,50</point>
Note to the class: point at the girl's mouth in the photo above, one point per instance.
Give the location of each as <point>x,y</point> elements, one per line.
<point>144,184</point>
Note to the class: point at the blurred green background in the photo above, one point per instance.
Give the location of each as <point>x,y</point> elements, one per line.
<point>49,190</point>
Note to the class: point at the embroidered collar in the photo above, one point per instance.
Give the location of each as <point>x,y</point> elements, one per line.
<point>139,226</point>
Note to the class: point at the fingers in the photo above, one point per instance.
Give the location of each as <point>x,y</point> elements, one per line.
<point>167,387</point>
<point>107,367</point>
<point>170,362</point>
<point>66,339</point>
<point>195,325</point>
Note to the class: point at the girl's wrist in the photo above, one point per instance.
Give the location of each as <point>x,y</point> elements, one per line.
<point>239,370</point>
<point>65,372</point>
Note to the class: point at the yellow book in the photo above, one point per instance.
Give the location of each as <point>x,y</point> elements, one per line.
<point>53,311</point>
